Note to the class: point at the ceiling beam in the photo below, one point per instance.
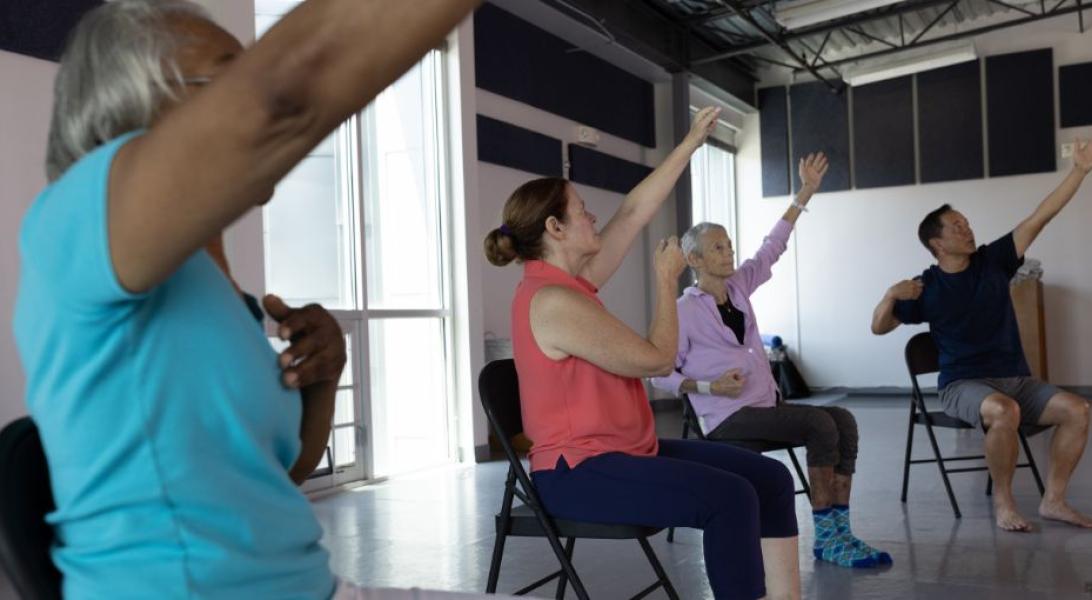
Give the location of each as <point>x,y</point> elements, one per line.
<point>960,35</point>
<point>658,38</point>
<point>822,28</point>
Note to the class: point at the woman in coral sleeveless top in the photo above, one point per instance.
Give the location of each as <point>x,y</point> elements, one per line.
<point>595,455</point>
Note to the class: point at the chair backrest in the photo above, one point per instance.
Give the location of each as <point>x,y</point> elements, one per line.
<point>25,537</point>
<point>921,355</point>
<point>498,386</point>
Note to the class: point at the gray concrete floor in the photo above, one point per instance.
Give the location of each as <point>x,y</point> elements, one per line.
<point>435,530</point>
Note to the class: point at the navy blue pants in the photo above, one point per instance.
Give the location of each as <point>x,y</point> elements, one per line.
<point>735,496</point>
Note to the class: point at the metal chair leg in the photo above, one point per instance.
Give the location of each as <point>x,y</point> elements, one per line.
<point>909,446</point>
<point>1031,463</point>
<point>567,569</point>
<point>669,589</point>
<point>800,473</point>
<point>495,564</point>
<point>562,581</point>
<point>943,469</point>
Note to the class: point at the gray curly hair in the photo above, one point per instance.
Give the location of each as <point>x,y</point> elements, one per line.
<point>115,73</point>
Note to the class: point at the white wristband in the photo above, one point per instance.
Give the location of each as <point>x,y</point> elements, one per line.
<point>704,387</point>
<point>799,206</point>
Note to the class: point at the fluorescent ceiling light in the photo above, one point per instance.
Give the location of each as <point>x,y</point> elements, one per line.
<point>912,61</point>
<point>801,13</point>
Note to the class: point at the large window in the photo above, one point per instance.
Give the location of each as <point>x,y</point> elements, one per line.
<point>713,186</point>
<point>361,227</point>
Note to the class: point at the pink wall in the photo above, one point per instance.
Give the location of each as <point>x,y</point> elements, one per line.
<point>24,121</point>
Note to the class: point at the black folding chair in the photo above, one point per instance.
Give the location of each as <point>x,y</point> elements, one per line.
<point>690,421</point>
<point>498,387</point>
<point>922,358</point>
<point>25,537</point>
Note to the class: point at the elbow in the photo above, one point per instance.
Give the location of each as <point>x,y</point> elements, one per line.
<point>662,365</point>
<point>880,328</point>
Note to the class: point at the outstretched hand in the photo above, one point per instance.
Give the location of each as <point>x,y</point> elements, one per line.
<point>317,350</point>
<point>704,124</point>
<point>812,168</point>
<point>1082,155</point>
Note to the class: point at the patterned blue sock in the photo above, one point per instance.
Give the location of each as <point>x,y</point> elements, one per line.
<point>833,546</point>
<point>841,517</point>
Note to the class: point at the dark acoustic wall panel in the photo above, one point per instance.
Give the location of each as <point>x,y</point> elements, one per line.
<point>510,146</point>
<point>950,123</point>
<point>517,60</point>
<point>1020,112</point>
<point>820,123</point>
<point>1075,88</point>
<point>39,28</point>
<point>773,117</point>
<point>604,171</point>
<point>883,133</point>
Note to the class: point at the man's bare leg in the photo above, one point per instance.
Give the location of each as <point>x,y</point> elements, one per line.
<point>1068,413</point>
<point>1001,416</point>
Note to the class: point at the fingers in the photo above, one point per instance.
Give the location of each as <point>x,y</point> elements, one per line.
<point>275,307</point>
<point>325,365</point>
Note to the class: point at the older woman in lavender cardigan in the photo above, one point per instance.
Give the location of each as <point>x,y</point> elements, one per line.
<point>722,366</point>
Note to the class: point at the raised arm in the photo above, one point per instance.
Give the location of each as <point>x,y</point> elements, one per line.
<point>1029,229</point>
<point>566,324</point>
<point>811,169</point>
<point>883,317</point>
<point>222,151</point>
<point>642,203</point>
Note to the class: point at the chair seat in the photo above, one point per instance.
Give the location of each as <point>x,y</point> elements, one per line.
<point>525,524</point>
<point>942,419</point>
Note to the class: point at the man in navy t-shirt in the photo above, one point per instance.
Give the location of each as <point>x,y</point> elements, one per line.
<point>984,378</point>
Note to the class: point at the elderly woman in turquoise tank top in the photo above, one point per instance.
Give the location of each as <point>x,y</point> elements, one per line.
<point>175,435</point>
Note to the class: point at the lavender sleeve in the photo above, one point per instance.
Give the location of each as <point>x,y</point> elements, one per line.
<point>757,270</point>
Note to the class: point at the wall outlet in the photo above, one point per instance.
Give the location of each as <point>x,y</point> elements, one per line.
<point>1067,150</point>
<point>587,136</point>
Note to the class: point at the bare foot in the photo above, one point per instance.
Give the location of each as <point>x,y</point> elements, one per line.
<point>1060,511</point>
<point>1010,520</point>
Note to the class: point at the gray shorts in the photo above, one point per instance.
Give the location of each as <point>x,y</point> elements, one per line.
<point>963,398</point>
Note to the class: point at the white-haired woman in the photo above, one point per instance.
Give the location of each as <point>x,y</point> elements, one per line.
<point>722,367</point>
<point>173,436</point>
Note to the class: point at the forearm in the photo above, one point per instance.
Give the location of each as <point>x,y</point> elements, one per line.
<point>792,213</point>
<point>883,317</point>
<point>663,333</point>
<point>645,199</point>
<point>1049,208</point>
<point>318,414</point>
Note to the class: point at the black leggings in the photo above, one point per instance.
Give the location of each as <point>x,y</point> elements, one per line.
<point>828,432</point>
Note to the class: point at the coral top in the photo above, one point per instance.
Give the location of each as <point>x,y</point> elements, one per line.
<point>572,408</point>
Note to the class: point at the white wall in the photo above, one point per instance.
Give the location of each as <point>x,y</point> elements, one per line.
<point>852,245</point>
<point>625,295</point>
